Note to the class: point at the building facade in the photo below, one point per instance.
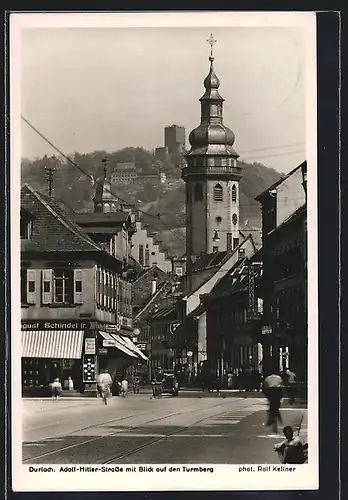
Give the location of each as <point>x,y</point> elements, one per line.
<point>234,310</point>
<point>147,251</point>
<point>124,173</point>
<point>76,312</point>
<point>284,257</point>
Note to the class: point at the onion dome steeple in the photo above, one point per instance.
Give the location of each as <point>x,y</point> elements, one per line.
<point>104,200</point>
<point>211,137</point>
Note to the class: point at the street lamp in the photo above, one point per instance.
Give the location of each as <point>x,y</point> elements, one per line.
<point>216,237</point>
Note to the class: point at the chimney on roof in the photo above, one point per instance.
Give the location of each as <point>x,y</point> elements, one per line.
<point>229,242</point>
<point>153,286</point>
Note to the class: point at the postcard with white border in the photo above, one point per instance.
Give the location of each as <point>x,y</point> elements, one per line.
<point>164,274</point>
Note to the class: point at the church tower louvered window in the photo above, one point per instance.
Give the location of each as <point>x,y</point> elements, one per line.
<point>218,193</point>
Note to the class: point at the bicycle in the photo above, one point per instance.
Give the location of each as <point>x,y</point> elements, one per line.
<point>157,389</point>
<point>105,394</point>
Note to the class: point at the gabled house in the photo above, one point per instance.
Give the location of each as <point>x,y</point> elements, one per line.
<point>72,294</point>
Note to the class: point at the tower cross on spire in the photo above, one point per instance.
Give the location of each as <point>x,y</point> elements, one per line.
<point>211,40</point>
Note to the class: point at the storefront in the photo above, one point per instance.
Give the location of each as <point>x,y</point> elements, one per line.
<point>117,352</point>
<point>76,349</point>
<point>52,349</point>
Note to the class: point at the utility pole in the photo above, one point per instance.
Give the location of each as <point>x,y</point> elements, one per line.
<point>49,178</point>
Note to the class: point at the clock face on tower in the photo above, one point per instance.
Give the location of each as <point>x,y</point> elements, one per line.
<point>234,219</point>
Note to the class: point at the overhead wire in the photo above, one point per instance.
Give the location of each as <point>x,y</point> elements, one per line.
<point>157,216</point>
<point>66,157</point>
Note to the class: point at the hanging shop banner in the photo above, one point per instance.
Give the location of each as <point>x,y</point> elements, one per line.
<point>90,346</point>
<point>112,328</point>
<point>108,343</point>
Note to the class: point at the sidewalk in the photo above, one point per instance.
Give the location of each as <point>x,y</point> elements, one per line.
<point>184,393</point>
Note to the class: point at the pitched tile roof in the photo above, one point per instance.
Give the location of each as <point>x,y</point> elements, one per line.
<point>153,305</point>
<point>280,181</point>
<point>53,230</point>
<point>210,260</point>
<point>292,217</point>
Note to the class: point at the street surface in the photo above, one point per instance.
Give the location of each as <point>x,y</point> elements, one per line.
<point>192,429</point>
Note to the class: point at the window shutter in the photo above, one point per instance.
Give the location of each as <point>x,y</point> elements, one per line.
<point>31,286</point>
<point>121,297</point>
<point>78,286</point>
<point>130,299</point>
<point>100,287</point>
<point>108,289</point>
<point>104,287</point>
<point>47,286</point>
<point>96,284</point>
<point>113,284</point>
<point>117,297</point>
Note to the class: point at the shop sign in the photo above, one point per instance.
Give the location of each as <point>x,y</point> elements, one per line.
<point>142,347</point>
<point>90,346</point>
<point>108,343</point>
<point>112,328</point>
<point>102,352</point>
<point>266,330</point>
<point>173,326</point>
<point>55,325</point>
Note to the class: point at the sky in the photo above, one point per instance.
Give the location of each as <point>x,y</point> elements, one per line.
<point>107,88</point>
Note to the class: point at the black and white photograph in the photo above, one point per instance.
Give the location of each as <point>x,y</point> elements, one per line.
<point>164,270</point>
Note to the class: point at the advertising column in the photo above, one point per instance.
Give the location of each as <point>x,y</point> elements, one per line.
<point>89,367</point>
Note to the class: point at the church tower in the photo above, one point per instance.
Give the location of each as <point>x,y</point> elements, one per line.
<point>212,177</point>
<point>104,200</point>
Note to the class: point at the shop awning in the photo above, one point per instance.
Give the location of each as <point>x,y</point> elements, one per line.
<point>116,343</point>
<point>56,344</point>
<point>130,345</point>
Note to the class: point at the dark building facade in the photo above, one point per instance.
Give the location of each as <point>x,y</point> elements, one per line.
<point>234,311</point>
<point>284,284</point>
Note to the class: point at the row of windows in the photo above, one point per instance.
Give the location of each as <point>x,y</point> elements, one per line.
<point>290,306</point>
<point>218,193</point>
<point>64,286</point>
<point>112,293</point>
<point>286,264</point>
<point>212,162</point>
<point>238,317</point>
<point>58,286</point>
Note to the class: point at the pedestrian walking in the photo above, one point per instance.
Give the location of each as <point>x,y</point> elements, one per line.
<point>272,389</point>
<point>104,384</point>
<point>292,450</point>
<point>290,385</point>
<point>56,388</point>
<point>157,383</point>
<point>124,387</point>
<point>135,384</point>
